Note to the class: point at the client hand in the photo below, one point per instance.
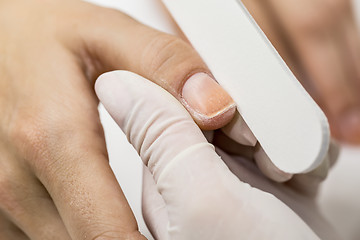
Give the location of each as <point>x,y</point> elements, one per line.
<point>55,179</point>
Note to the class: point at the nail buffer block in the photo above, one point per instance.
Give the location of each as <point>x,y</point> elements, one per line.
<point>288,124</point>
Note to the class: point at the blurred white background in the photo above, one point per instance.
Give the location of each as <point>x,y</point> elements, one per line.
<point>340,194</point>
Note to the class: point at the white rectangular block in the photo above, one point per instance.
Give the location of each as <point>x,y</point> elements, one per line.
<point>289,125</point>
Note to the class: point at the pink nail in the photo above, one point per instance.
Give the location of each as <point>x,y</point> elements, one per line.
<point>207,101</point>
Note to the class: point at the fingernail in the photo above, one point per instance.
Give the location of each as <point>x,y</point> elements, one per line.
<point>350,126</point>
<point>207,101</point>
<point>239,131</point>
<point>268,168</point>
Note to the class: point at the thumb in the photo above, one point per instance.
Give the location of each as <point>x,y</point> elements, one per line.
<point>203,199</point>
<point>119,42</point>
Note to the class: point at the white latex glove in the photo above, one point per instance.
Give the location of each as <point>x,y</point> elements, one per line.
<point>189,192</point>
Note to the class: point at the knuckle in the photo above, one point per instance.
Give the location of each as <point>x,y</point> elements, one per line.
<point>45,138</point>
<point>165,52</point>
<point>162,48</point>
<point>38,138</point>
<point>30,137</point>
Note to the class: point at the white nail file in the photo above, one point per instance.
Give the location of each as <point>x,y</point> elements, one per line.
<point>288,124</point>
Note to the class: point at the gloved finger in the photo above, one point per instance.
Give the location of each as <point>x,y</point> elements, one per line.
<point>117,41</point>
<point>251,153</point>
<point>9,231</point>
<point>227,144</point>
<point>267,167</point>
<point>238,130</point>
<point>204,200</point>
<point>309,183</point>
<point>154,207</point>
<point>26,202</point>
<point>334,152</point>
<point>303,205</point>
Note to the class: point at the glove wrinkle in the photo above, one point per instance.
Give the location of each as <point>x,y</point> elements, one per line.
<point>203,198</point>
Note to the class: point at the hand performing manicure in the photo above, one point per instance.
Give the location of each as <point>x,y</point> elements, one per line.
<point>189,192</point>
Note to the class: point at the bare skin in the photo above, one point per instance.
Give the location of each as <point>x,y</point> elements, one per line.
<point>321,43</point>
<point>55,180</point>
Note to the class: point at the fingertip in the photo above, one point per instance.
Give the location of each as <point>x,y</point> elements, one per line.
<point>239,131</point>
<point>268,168</point>
<point>107,80</point>
<point>101,82</point>
<point>216,121</point>
<point>115,90</point>
<point>208,103</point>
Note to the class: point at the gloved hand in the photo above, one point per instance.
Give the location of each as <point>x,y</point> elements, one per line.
<point>189,192</point>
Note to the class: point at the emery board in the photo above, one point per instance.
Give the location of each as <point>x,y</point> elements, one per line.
<point>286,121</point>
